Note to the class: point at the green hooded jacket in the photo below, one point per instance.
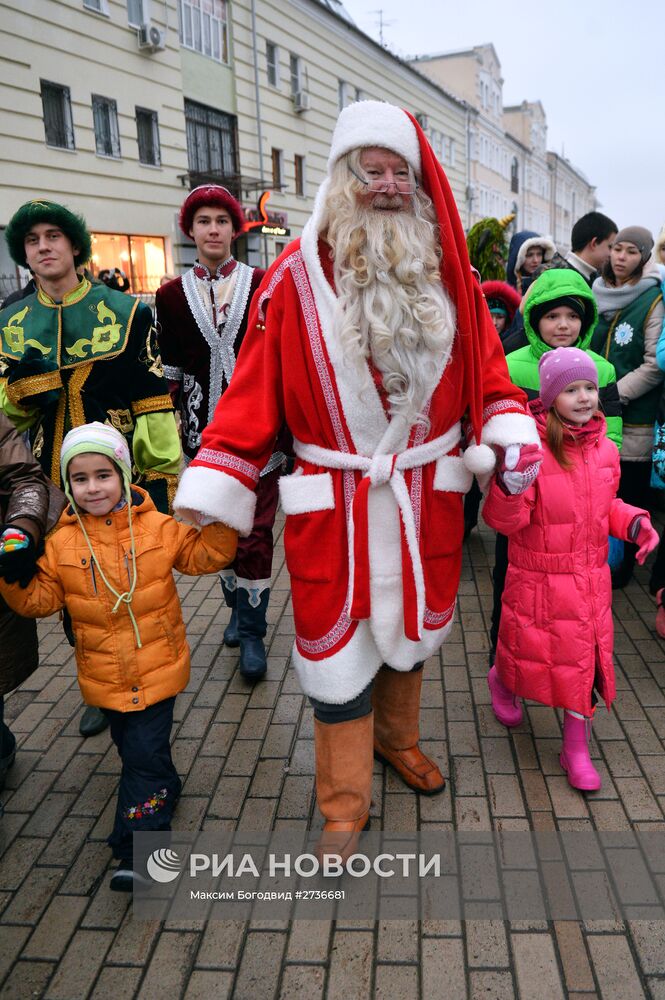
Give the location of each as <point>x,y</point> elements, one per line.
<point>523,364</point>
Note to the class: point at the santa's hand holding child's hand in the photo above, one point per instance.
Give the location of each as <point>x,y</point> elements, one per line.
<point>519,467</point>
<point>645,536</point>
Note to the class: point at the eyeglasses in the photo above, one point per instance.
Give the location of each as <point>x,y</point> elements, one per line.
<point>377,185</point>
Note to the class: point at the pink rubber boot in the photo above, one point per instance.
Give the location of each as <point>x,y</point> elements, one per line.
<point>506,707</point>
<point>574,757</point>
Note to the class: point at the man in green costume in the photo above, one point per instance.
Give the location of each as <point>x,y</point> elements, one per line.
<point>73,352</point>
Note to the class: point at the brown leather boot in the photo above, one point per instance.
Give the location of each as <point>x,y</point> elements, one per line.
<point>343,782</point>
<point>396,701</point>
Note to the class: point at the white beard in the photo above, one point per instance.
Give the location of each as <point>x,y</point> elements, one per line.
<point>391,305</point>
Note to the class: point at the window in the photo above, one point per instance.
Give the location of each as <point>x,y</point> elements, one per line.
<point>300,175</point>
<point>272,64</point>
<point>147,134</point>
<point>342,94</point>
<point>277,169</point>
<point>105,117</point>
<point>514,176</point>
<point>99,6</point>
<point>204,27</point>
<point>294,69</point>
<point>57,106</point>
<point>211,141</point>
<point>135,13</point>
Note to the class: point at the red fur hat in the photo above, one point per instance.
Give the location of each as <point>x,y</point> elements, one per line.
<point>211,194</point>
<point>504,293</point>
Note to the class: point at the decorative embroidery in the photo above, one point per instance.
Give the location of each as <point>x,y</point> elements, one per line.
<point>150,357</point>
<point>224,460</point>
<point>255,589</point>
<point>104,337</point>
<point>327,641</point>
<point>301,280</point>
<point>193,395</point>
<point>121,420</point>
<point>15,335</point>
<point>219,340</point>
<point>500,406</point>
<point>274,462</point>
<point>439,617</point>
<point>79,377</point>
<point>152,404</point>
<point>173,373</point>
<point>277,276</point>
<point>151,806</point>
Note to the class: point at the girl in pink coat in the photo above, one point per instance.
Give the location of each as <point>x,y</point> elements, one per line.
<point>556,636</point>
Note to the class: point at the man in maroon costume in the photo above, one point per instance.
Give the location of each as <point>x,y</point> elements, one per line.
<point>201,322</point>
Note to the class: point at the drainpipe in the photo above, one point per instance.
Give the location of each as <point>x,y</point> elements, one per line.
<point>469,203</point>
<point>257,100</point>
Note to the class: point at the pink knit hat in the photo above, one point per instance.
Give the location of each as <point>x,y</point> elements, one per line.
<point>559,368</point>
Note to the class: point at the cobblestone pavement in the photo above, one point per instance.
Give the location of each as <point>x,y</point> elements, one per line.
<point>246,757</point>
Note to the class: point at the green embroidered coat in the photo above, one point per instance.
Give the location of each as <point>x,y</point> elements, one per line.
<point>90,357</point>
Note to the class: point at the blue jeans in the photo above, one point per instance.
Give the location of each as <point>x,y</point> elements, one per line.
<point>149,783</point>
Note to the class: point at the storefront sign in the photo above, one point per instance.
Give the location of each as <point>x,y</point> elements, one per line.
<point>259,220</point>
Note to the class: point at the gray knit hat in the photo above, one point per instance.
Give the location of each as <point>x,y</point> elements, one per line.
<point>639,237</point>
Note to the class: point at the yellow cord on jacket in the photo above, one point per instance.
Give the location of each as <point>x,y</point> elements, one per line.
<point>126,597</point>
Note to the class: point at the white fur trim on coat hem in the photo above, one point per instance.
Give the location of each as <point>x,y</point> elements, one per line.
<point>207,495</point>
<point>510,428</point>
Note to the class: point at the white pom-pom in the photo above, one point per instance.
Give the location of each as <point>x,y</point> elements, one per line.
<point>479,459</point>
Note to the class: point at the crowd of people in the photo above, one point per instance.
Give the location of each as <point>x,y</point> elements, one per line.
<point>384,374</point>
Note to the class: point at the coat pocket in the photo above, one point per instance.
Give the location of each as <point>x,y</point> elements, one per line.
<point>452,476</point>
<point>302,494</point>
<point>309,503</point>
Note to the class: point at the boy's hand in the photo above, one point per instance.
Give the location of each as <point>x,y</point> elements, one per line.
<point>519,467</point>
<point>18,556</point>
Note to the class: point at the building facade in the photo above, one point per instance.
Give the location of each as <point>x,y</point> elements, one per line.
<point>510,169</point>
<point>119,107</point>
<point>92,115</point>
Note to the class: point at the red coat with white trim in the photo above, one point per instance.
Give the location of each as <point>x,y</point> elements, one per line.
<point>290,370</point>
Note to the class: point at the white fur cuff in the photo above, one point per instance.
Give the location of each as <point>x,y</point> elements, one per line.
<point>302,494</point>
<point>205,495</point>
<point>510,428</point>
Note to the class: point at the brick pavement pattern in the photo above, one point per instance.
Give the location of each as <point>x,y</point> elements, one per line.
<point>247,760</point>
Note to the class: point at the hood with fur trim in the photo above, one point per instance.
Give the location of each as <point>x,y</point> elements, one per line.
<point>519,245</point>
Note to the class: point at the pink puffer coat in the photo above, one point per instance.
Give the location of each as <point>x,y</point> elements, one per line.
<point>556,629</point>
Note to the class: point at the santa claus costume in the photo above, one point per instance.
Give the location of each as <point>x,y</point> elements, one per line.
<point>374,523</point>
<point>201,323</point>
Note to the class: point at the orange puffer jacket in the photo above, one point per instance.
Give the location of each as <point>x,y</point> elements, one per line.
<point>112,671</point>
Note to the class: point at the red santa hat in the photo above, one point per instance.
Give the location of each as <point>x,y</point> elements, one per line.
<point>211,194</point>
<point>375,123</point>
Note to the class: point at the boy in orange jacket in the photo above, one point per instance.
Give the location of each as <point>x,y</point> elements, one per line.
<point>109,563</point>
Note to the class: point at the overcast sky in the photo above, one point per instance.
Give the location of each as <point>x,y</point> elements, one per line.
<point>598,69</point>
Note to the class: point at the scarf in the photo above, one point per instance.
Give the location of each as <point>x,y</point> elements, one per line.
<point>611,300</point>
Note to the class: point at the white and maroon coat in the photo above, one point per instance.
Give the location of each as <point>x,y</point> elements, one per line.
<point>373,542</point>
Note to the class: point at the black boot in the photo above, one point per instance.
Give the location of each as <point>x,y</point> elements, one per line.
<point>93,721</point>
<point>230,591</point>
<point>252,605</point>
